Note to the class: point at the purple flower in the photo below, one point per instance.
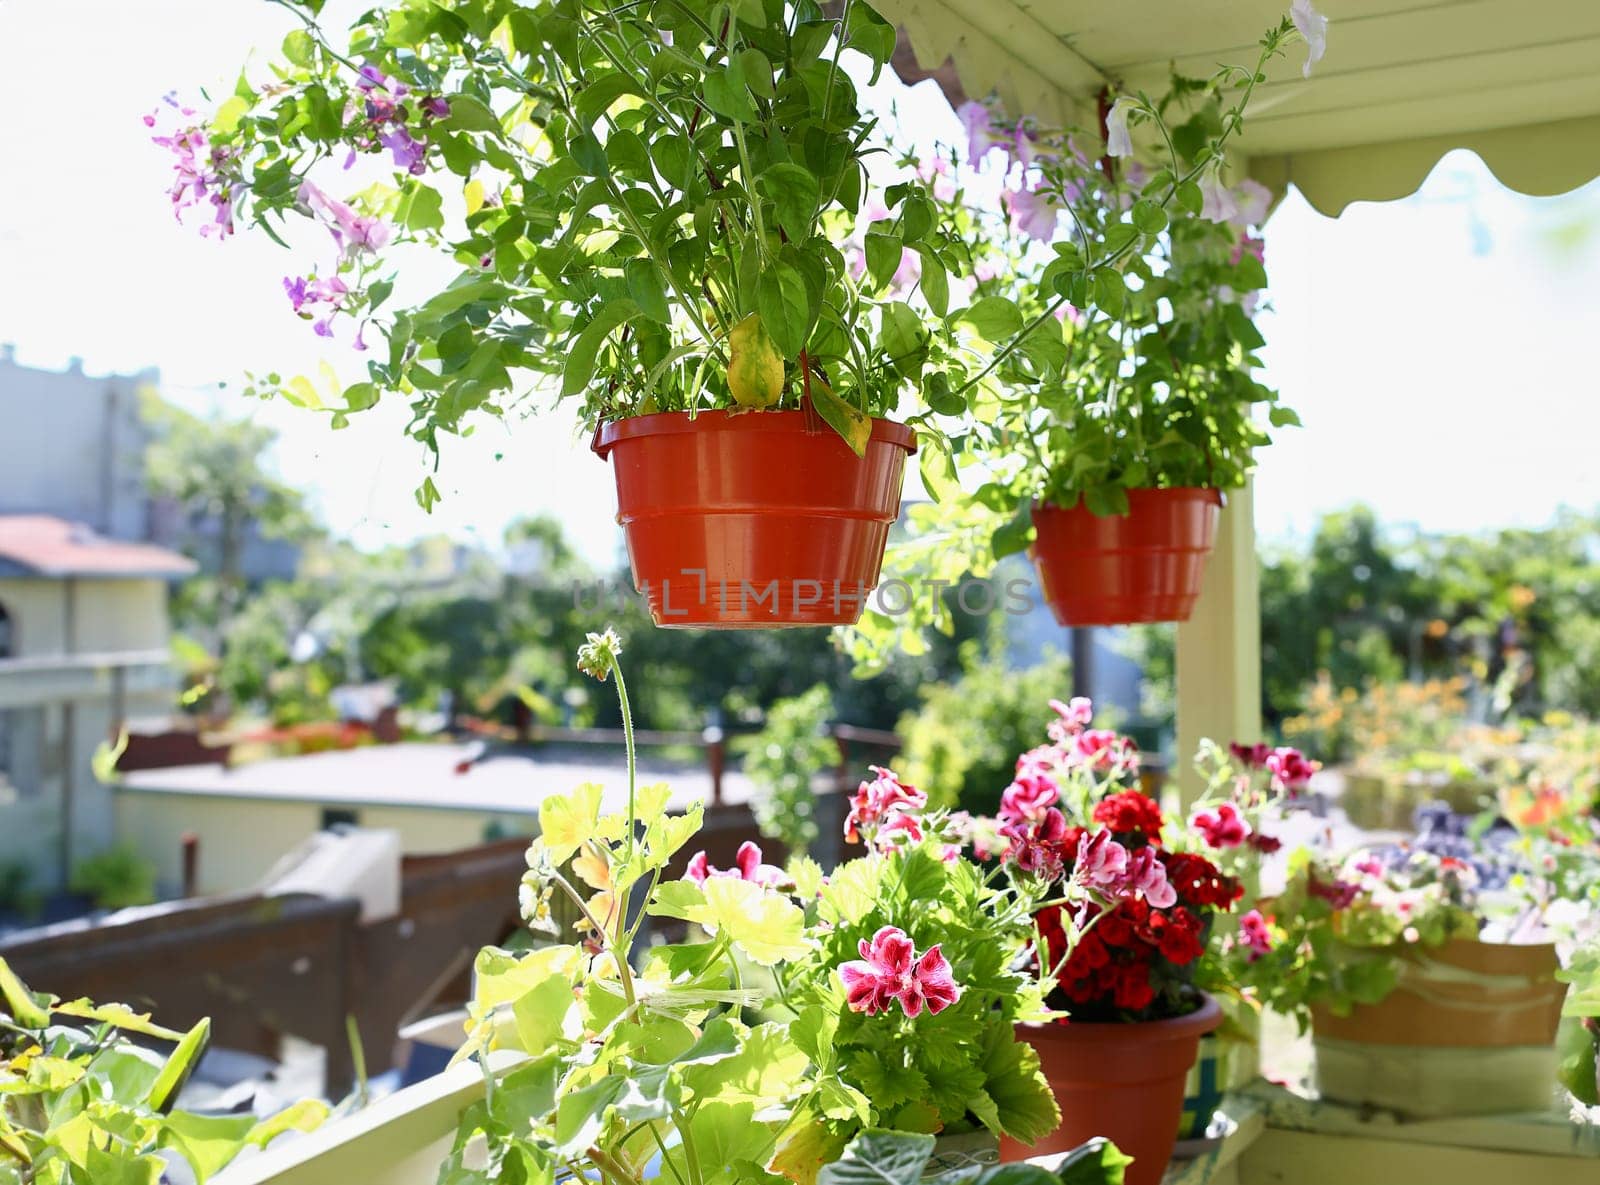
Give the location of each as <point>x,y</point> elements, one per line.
<point>353,232</point>
<point>204,172</point>
<point>409,153</point>
<point>1033,213</point>
<point>437,107</point>
<point>974,118</point>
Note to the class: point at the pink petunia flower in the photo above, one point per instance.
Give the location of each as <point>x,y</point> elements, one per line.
<point>890,969</point>
<point>747,867</point>
<point>1033,213</point>
<point>1223,827</point>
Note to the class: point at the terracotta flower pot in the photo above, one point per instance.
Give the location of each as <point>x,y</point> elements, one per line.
<point>1145,565</point>
<point>753,520</point>
<point>1121,1081</point>
<point>1470,1029</point>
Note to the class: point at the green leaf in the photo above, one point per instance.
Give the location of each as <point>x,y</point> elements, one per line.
<point>179,1066</point>
<point>1110,291</point>
<point>1015,534</point>
<point>1012,1078</point>
<point>647,289</point>
<point>795,194</point>
<point>935,282</point>
<point>583,349</point>
<point>229,114</point>
<point>1283,417</point>
<point>594,100</point>
<point>884,252</point>
<point>1150,217</point>
<point>28,1010</point>
<point>757,72</point>
<point>1097,1162</point>
<point>421,208</point>
<point>782,302</point>
<point>207,1142</point>
<point>547,1015</point>
<point>298,47</point>
<point>581,1115</point>
<point>905,340</point>
<point>994,317</point>
<point>942,399</point>
<point>880,1158</point>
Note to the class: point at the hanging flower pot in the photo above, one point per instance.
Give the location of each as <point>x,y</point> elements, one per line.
<point>1121,1081</point>
<point>752,520</point>
<point>1469,1030</point>
<point>1143,566</point>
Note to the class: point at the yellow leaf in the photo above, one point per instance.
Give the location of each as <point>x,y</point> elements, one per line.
<point>755,367</point>
<point>567,821</point>
<point>474,196</point>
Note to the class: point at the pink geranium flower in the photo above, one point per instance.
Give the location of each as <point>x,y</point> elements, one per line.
<point>1071,717</point>
<point>1103,748</point>
<point>747,866</point>
<point>1040,845</point>
<point>890,969</point>
<point>1223,827</point>
<point>1028,797</point>
<point>1289,768</point>
<point>876,801</point>
<point>1251,756</point>
<point>1102,862</point>
<point>1253,932</point>
<point>1147,876</point>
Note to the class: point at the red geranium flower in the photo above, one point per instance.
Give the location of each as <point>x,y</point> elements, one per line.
<point>1134,817</point>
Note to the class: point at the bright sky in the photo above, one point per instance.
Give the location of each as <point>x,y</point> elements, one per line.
<point>1440,349</point>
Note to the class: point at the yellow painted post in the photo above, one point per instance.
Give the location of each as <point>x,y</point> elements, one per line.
<point>1219,648</point>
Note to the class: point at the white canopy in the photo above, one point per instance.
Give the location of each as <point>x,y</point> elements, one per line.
<point>1403,82</point>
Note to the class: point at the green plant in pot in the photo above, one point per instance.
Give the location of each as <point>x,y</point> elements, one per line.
<point>1119,402</point>
<point>643,205</point>
<point>85,1096</point>
<point>793,1021</point>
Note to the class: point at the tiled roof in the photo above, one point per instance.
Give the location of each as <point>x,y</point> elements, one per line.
<point>45,546</point>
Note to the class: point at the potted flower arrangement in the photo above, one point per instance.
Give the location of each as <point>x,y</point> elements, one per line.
<point>648,208</point>
<point>1403,957</point>
<point>804,1021</point>
<point>1248,787</point>
<point>1121,923</point>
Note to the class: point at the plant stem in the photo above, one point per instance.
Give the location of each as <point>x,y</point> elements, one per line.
<point>627,739</point>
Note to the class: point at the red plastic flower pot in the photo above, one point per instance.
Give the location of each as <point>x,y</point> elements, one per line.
<point>1121,1081</point>
<point>1145,565</point>
<point>753,520</point>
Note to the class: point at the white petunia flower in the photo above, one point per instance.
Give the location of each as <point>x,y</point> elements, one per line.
<point>1313,27</point>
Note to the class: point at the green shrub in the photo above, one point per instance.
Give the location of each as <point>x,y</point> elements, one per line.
<point>116,878</point>
<point>784,759</point>
<point>961,745</point>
